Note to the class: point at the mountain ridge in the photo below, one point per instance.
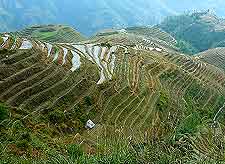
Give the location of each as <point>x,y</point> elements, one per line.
<point>200,31</point>
<point>98,15</point>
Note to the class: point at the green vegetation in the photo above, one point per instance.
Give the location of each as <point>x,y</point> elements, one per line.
<point>24,142</point>
<point>52,33</point>
<point>3,112</point>
<point>152,32</point>
<point>189,124</point>
<point>163,102</point>
<point>56,117</point>
<point>213,56</point>
<point>1,41</point>
<point>44,35</point>
<point>185,47</point>
<point>195,32</point>
<point>148,105</point>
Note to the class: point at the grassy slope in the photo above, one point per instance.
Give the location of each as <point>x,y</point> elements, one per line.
<point>52,33</point>
<point>156,102</point>
<point>152,32</point>
<point>213,56</point>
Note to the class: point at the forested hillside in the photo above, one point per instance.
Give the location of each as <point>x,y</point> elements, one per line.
<point>196,32</point>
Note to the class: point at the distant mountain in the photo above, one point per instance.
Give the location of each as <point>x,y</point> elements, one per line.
<point>196,32</point>
<point>91,16</point>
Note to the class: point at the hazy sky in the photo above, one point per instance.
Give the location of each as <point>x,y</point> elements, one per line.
<point>89,16</point>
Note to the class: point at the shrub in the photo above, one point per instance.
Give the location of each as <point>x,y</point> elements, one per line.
<point>162,103</point>
<point>189,125</point>
<point>56,116</point>
<point>88,100</point>
<point>23,144</point>
<point>3,112</point>
<point>186,47</point>
<point>26,136</point>
<point>74,151</point>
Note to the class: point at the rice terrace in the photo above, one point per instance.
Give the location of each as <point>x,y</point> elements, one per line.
<point>128,95</point>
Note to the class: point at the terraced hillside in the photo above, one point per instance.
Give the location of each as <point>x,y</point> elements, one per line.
<point>139,36</point>
<point>52,33</point>
<point>149,32</point>
<point>154,32</point>
<point>134,89</point>
<point>214,56</point>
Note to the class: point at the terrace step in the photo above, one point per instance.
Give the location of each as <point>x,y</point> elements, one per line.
<point>73,95</point>
<point>45,83</point>
<point>28,82</point>
<point>20,76</point>
<point>57,89</point>
<point>20,55</point>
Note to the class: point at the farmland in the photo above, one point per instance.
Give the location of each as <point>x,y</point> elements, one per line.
<point>140,91</point>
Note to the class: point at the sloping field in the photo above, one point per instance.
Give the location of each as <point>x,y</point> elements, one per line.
<point>214,56</point>
<point>51,33</point>
<point>132,91</point>
<point>154,32</point>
